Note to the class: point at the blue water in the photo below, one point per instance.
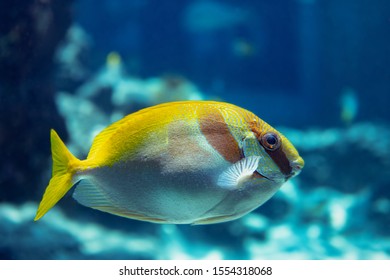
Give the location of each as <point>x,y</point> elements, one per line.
<point>316,70</point>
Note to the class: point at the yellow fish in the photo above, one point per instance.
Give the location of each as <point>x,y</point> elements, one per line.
<point>193,162</point>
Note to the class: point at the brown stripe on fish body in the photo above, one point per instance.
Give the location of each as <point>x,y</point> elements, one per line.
<point>218,135</point>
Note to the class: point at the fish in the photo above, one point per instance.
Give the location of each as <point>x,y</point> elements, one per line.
<point>349,105</point>
<point>183,162</point>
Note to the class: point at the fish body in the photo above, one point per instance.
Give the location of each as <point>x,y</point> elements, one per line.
<point>194,162</point>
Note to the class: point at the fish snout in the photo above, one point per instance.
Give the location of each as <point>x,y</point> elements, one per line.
<point>296,167</point>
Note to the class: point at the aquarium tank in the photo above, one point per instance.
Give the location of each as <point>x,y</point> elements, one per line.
<point>316,70</point>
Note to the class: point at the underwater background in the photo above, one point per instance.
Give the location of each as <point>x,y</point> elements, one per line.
<point>317,70</point>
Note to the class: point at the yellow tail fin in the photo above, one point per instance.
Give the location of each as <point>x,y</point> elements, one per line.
<point>64,166</point>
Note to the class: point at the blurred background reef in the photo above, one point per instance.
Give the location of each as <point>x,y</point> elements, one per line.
<point>317,70</point>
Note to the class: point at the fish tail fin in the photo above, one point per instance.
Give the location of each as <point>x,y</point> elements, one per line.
<point>64,167</point>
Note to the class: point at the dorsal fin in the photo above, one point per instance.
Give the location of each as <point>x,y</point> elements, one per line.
<point>105,134</point>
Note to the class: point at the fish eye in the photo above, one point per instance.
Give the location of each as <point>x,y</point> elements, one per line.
<point>270,141</point>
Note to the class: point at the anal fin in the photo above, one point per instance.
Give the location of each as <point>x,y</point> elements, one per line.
<point>128,214</point>
<point>214,220</point>
<point>90,195</point>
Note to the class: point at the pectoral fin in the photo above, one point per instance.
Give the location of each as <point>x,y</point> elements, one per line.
<point>237,173</point>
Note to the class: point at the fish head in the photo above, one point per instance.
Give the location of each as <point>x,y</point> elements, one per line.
<point>278,158</point>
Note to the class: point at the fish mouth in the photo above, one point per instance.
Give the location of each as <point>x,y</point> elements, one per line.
<point>296,167</point>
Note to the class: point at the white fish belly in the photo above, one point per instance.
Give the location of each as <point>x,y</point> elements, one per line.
<point>141,190</point>
<point>144,189</point>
